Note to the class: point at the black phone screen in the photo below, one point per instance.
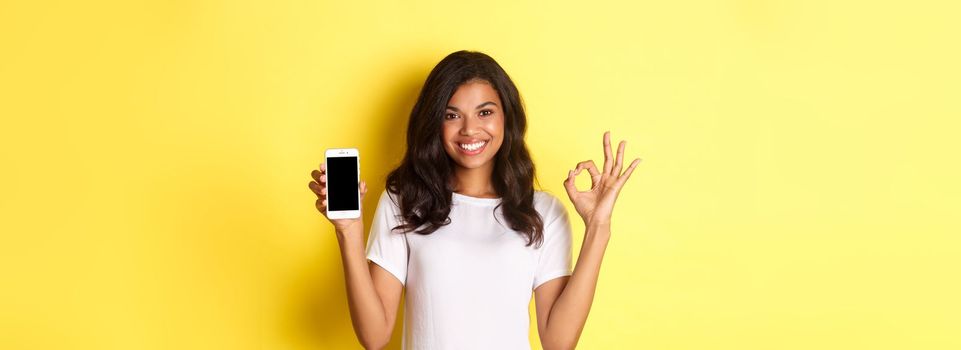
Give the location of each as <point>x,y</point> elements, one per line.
<point>342,183</point>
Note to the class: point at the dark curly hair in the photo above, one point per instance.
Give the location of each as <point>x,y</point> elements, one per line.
<point>422,180</point>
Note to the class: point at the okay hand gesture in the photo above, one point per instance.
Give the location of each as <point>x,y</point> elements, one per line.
<point>596,204</point>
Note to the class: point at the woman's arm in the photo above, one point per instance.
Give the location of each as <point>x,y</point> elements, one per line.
<point>373,294</point>
<point>564,303</point>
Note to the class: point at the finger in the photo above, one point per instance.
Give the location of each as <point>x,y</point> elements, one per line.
<point>363,188</point>
<point>630,169</point>
<point>569,185</point>
<point>589,166</point>
<point>319,176</point>
<point>607,153</point>
<point>321,205</point>
<point>620,159</point>
<point>592,169</point>
<point>323,168</point>
<point>319,190</point>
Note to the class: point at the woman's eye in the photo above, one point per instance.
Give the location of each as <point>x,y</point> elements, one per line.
<point>486,112</point>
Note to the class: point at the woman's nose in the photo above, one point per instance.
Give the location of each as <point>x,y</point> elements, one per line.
<point>470,127</point>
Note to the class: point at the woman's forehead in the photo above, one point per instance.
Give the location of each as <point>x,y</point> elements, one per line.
<point>474,91</point>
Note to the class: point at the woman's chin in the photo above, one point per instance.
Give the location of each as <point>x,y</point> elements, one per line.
<point>471,164</point>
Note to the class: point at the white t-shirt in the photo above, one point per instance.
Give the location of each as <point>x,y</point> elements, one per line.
<point>469,284</point>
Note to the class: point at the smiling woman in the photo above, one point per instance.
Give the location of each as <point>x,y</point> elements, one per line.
<point>461,228</point>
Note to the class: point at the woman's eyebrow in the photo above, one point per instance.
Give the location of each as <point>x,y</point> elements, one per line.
<point>484,104</point>
<point>478,106</point>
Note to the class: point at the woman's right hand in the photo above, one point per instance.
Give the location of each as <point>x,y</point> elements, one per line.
<point>373,294</point>
<point>344,227</point>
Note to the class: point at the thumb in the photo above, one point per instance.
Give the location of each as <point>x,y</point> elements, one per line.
<point>569,185</point>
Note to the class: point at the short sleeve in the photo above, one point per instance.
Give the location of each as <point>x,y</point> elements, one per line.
<point>386,247</point>
<point>554,259</point>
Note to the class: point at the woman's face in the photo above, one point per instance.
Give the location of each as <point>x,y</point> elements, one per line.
<point>473,125</point>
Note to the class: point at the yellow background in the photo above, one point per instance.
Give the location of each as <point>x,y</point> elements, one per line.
<point>799,188</point>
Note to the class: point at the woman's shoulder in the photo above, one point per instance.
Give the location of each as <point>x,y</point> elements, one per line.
<point>389,199</point>
<point>547,204</point>
<point>544,196</point>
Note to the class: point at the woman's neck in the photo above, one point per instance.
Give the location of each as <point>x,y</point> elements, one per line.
<point>475,182</point>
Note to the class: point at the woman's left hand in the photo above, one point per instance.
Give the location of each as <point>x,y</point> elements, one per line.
<point>596,205</point>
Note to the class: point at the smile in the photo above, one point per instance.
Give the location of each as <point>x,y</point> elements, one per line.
<point>472,148</point>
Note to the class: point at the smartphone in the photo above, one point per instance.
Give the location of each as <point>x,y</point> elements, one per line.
<point>343,180</point>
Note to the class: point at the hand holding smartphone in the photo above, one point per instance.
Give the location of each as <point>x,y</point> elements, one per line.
<point>338,187</point>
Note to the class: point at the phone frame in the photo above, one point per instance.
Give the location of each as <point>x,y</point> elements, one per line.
<point>339,153</point>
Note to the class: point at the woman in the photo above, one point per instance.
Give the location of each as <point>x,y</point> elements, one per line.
<point>461,227</point>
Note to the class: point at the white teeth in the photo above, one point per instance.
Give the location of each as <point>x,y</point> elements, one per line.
<point>470,147</point>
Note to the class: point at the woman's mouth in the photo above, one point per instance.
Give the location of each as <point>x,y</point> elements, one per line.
<point>472,148</point>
